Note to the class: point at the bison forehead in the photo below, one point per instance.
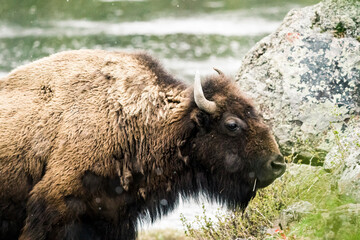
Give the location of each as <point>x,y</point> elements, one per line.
<point>228,96</point>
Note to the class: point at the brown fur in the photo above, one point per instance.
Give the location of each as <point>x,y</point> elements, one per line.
<point>91,141</point>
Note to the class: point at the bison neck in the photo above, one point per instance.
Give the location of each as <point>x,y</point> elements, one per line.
<point>150,165</point>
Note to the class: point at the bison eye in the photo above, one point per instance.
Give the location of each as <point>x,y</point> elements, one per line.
<point>232,125</point>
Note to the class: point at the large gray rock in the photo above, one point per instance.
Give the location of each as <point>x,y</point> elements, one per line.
<point>305,77</point>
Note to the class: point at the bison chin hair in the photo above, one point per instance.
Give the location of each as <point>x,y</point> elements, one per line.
<point>225,189</point>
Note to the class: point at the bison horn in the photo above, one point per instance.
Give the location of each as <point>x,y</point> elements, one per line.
<point>219,72</point>
<point>200,100</point>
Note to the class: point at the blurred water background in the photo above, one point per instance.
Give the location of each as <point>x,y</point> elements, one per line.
<point>187,35</point>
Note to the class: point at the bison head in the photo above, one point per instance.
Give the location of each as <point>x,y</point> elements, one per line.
<point>233,151</point>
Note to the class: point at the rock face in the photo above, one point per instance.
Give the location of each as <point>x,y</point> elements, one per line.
<point>305,77</point>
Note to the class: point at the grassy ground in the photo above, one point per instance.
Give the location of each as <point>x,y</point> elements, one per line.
<point>163,234</point>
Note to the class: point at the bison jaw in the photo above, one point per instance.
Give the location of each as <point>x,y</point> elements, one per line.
<point>232,162</point>
<point>263,173</point>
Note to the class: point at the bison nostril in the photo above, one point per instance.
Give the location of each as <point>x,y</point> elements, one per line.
<point>279,159</point>
<point>278,165</point>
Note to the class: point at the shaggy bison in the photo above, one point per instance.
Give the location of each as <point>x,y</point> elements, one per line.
<point>92,141</point>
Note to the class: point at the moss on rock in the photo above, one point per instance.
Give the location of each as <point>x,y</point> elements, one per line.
<point>340,17</point>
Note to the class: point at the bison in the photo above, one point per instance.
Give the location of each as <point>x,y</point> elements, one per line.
<point>92,141</point>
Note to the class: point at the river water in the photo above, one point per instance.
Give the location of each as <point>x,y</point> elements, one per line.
<point>187,35</point>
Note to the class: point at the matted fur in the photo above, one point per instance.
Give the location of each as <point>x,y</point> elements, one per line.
<point>92,141</point>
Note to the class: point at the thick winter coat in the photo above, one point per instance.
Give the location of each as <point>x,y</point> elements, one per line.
<point>92,141</point>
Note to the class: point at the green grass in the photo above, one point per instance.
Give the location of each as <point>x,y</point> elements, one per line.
<point>340,30</point>
<point>162,234</point>
<point>326,222</point>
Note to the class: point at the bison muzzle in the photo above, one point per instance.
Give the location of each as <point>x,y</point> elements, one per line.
<point>93,141</point>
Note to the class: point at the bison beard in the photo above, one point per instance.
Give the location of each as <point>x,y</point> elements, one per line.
<point>93,141</point>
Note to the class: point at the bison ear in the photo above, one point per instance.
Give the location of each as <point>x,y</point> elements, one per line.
<point>200,118</point>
